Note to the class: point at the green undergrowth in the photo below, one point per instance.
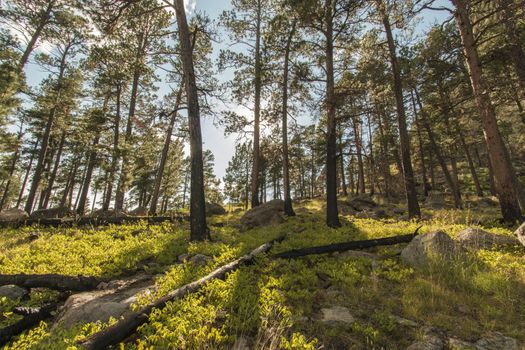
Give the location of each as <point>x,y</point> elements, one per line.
<point>275,303</point>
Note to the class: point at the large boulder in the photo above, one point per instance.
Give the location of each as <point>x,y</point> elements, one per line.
<point>487,202</point>
<point>428,247</point>
<point>214,209</point>
<point>111,213</point>
<point>12,215</point>
<point>520,233</point>
<point>53,213</point>
<point>112,299</point>
<point>337,314</point>
<point>12,292</point>
<point>475,238</point>
<point>429,342</point>
<point>362,202</point>
<point>269,213</point>
<point>139,211</point>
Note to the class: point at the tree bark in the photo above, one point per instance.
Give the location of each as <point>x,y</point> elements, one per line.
<point>53,176</point>
<point>404,141</point>
<point>12,168</point>
<point>51,281</point>
<point>288,209</point>
<point>332,213</point>
<point>115,153</point>
<point>426,185</point>
<point>504,175</point>
<point>199,230</point>
<point>92,161</point>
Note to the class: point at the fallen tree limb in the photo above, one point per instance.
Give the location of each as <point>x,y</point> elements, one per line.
<point>31,318</point>
<point>340,247</point>
<point>128,325</point>
<point>52,281</point>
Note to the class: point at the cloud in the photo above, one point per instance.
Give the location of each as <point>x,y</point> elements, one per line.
<point>190,6</point>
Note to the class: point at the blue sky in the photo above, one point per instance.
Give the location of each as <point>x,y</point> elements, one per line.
<point>213,137</point>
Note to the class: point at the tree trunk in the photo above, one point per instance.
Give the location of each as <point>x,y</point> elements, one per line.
<point>53,176</point>
<point>288,209</point>
<point>12,167</point>
<point>44,20</point>
<point>92,161</point>
<point>199,230</point>
<point>404,141</point>
<point>39,168</point>
<point>472,168</point>
<point>437,151</point>
<point>504,174</point>
<point>426,186</point>
<point>115,153</point>
<point>164,155</point>
<point>332,213</point>
<point>257,111</point>
<point>359,153</point>
<point>26,176</point>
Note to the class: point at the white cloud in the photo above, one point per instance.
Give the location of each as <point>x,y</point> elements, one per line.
<point>190,6</point>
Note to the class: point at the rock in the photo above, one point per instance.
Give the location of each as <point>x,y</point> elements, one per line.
<point>111,213</point>
<point>337,314</point>
<point>458,344</point>
<point>436,201</point>
<point>199,259</point>
<point>214,209</point>
<point>497,341</point>
<point>269,213</point>
<point>405,322</point>
<point>428,246</point>
<point>362,202</point>
<point>12,215</point>
<point>33,236</point>
<point>12,292</point>
<point>53,213</point>
<point>139,211</point>
<point>183,257</point>
<point>520,233</point>
<point>487,202</point>
<point>475,238</point>
<point>429,342</point>
<point>241,343</point>
<point>113,299</point>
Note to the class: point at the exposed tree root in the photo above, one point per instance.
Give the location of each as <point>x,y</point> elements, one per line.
<point>52,281</point>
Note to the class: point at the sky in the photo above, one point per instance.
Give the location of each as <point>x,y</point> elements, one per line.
<point>213,136</point>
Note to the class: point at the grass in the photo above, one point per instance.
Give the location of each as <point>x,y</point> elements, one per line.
<point>275,304</point>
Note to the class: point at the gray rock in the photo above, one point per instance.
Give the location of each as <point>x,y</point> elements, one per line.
<point>139,211</point>
<point>429,246</point>
<point>12,292</point>
<point>111,300</point>
<point>487,202</point>
<point>520,233</point>
<point>111,213</point>
<point>458,344</point>
<point>12,215</point>
<point>199,259</point>
<point>269,213</point>
<point>337,314</point>
<point>429,342</point>
<point>53,213</point>
<point>362,202</point>
<point>497,341</point>
<point>475,238</point>
<point>183,257</point>
<point>214,209</point>
<point>405,322</point>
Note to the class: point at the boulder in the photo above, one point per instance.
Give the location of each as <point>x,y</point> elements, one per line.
<point>497,341</point>
<point>429,246</point>
<point>269,213</point>
<point>113,299</point>
<point>435,201</point>
<point>214,209</point>
<point>199,259</point>
<point>475,238</point>
<point>53,213</point>
<point>12,292</point>
<point>139,211</point>
<point>487,202</point>
<point>12,215</point>
<point>429,342</point>
<point>111,213</point>
<point>337,314</point>
<point>362,202</point>
<point>520,233</point>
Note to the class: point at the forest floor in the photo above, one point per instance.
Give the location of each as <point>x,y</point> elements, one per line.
<point>277,303</point>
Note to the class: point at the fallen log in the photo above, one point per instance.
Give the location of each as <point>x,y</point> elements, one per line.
<point>128,325</point>
<point>31,318</point>
<point>52,281</point>
<point>340,247</point>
